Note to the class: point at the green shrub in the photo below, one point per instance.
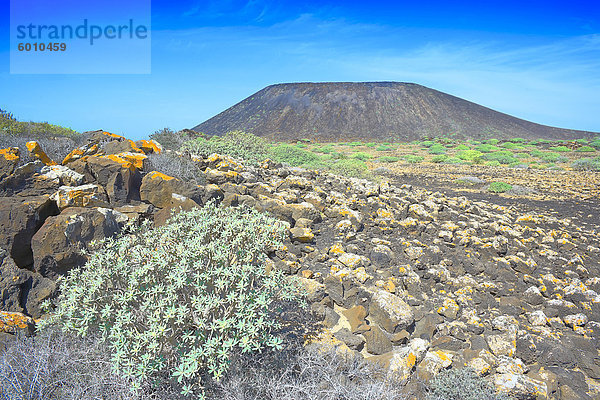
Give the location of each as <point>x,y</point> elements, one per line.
<point>582,141</point>
<point>461,147</point>
<point>350,167</point>
<point>291,155</point>
<point>384,147</point>
<point>437,149</point>
<point>236,144</point>
<point>413,159</point>
<point>503,157</point>
<point>170,139</point>
<point>439,158</point>
<point>499,187</point>
<point>586,164</point>
<point>469,155</point>
<point>522,155</point>
<point>181,297</point>
<point>454,160</point>
<point>595,143</point>
<point>487,148</point>
<point>325,149</point>
<point>586,149</point>
<point>517,140</point>
<point>362,156</point>
<point>9,125</point>
<point>427,143</point>
<point>494,163</point>
<point>493,142</point>
<point>512,146</point>
<point>355,144</point>
<point>563,149</point>
<point>300,145</point>
<point>388,159</point>
<point>461,384</point>
<point>371,144</point>
<point>552,157</point>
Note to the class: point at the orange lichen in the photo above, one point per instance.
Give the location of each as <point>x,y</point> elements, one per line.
<point>149,146</point>
<point>10,154</point>
<point>9,321</point>
<point>156,174</point>
<point>36,151</point>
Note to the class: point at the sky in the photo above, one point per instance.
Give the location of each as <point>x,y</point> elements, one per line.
<point>535,60</point>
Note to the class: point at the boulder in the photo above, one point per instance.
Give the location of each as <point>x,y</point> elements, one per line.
<point>390,311</point>
<point>19,221</point>
<point>22,290</point>
<point>62,175</point>
<point>149,146</point>
<point>56,246</point>
<point>158,188</point>
<point>178,203</point>
<point>120,177</point>
<point>89,195</point>
<point>36,152</point>
<point>377,341</point>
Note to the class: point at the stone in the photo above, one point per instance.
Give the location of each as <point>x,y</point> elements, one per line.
<point>119,177</point>
<point>520,386</point>
<point>63,175</point>
<point>56,244</point>
<point>426,326</point>
<point>177,204</point>
<point>22,290</point>
<point>149,146</point>
<point>507,365</point>
<point>574,320</point>
<point>89,195</point>
<point>390,311</point>
<point>381,255</point>
<point>419,212</point>
<point>36,152</point>
<point>356,318</point>
<point>19,221</point>
<point>480,366</point>
<point>9,159</point>
<point>377,341</point>
<point>502,344</point>
<point>302,235</point>
<point>352,341</point>
<point>433,362</point>
<point>537,318</point>
<point>12,322</point>
<point>533,296</point>
<point>449,308</point>
<point>158,188</point>
<point>401,362</point>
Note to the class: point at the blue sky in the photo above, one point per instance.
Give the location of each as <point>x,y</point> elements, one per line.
<point>535,60</point>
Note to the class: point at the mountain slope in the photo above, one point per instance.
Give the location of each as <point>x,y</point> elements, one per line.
<point>375,111</point>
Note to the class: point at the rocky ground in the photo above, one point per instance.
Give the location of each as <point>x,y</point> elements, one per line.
<point>414,279</point>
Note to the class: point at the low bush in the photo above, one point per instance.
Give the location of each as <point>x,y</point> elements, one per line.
<point>178,166</point>
<point>595,143</point>
<point>427,143</point>
<point>350,167</point>
<point>512,146</point>
<point>292,155</point>
<point>384,147</point>
<point>487,148</point>
<point>56,365</point>
<point>306,374</point>
<point>362,156</point>
<point>587,164</point>
<point>552,157</point>
<point>469,155</point>
<point>522,155</point>
<point>413,159</point>
<point>371,144</point>
<point>9,125</point>
<point>563,149</point>
<point>170,139</point>
<point>586,149</point>
<point>494,163</point>
<point>493,142</point>
<point>503,157</point>
<point>388,159</point>
<point>180,298</point>
<point>462,147</point>
<point>437,149</point>
<point>461,384</point>
<point>499,187</point>
<point>440,158</point>
<point>325,149</point>
<point>355,144</point>
<point>517,140</point>
<point>236,144</point>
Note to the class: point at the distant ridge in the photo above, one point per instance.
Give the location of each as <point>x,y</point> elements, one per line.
<point>373,111</point>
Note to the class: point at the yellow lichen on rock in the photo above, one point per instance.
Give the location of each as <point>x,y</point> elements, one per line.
<point>10,154</point>
<point>36,151</point>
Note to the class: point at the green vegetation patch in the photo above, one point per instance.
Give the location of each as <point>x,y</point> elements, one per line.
<point>587,164</point>
<point>499,187</point>
<point>181,298</point>
<point>9,125</point>
<point>563,149</point>
<point>388,159</point>
<point>586,149</point>
<point>502,156</point>
<point>437,149</point>
<point>413,159</point>
<point>362,156</point>
<point>384,147</point>
<point>487,148</point>
<point>469,155</point>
